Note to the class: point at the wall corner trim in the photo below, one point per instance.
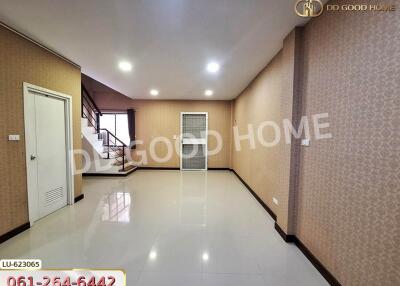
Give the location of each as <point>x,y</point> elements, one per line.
<point>14,232</point>
<point>78,198</point>
<point>286,237</point>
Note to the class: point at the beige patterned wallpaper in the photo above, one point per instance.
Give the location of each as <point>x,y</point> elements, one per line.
<point>271,96</point>
<point>23,61</point>
<point>156,118</point>
<point>162,118</point>
<point>261,166</point>
<point>348,201</point>
<point>349,196</point>
<point>345,202</point>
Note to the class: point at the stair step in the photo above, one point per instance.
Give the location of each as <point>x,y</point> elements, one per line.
<point>113,154</point>
<point>104,156</point>
<point>119,163</point>
<point>112,151</point>
<point>128,168</point>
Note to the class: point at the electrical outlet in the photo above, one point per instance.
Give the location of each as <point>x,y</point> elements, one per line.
<point>275,200</point>
<point>13,138</point>
<point>305,142</point>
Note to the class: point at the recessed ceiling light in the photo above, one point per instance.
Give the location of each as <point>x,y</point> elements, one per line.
<point>213,67</point>
<point>154,92</point>
<point>153,255</point>
<point>125,66</point>
<point>205,257</point>
<point>208,92</point>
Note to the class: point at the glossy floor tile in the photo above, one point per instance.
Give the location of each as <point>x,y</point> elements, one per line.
<point>168,228</point>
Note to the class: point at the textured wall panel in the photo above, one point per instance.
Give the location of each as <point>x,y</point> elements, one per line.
<point>347,208</point>
<point>261,167</point>
<point>162,118</point>
<point>349,197</point>
<point>23,61</point>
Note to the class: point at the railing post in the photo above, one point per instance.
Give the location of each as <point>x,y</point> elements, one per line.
<point>108,145</point>
<point>113,146</point>
<point>97,122</point>
<point>123,158</point>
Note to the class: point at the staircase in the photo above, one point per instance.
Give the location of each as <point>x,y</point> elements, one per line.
<point>108,155</point>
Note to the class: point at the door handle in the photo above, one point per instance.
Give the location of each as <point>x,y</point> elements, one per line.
<point>33,157</point>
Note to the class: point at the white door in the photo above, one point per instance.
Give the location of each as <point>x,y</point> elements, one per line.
<point>194,134</point>
<point>46,153</point>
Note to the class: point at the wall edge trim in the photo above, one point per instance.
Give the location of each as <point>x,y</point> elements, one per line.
<point>171,168</point>
<point>286,237</point>
<point>14,232</point>
<point>109,175</point>
<point>317,264</point>
<point>39,44</point>
<point>158,168</point>
<point>294,239</point>
<point>260,201</point>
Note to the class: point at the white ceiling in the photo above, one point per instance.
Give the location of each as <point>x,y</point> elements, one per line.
<point>169,42</point>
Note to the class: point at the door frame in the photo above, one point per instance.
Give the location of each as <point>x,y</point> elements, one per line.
<point>181,141</point>
<point>31,182</point>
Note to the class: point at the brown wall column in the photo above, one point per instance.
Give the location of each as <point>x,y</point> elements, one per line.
<point>291,109</point>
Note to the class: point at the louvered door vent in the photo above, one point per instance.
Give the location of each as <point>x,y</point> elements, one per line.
<point>53,195</point>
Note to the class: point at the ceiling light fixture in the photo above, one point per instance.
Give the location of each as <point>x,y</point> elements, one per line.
<point>205,257</point>
<point>125,66</point>
<point>153,255</point>
<point>154,92</point>
<point>208,92</point>
<point>213,67</point>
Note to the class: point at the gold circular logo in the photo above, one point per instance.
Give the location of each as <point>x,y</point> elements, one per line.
<point>309,8</point>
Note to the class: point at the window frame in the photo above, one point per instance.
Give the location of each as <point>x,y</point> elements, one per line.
<point>115,113</point>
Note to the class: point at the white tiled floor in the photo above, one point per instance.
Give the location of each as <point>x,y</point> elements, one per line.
<point>168,228</point>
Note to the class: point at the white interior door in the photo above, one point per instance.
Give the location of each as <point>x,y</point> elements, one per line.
<point>194,134</point>
<point>46,138</point>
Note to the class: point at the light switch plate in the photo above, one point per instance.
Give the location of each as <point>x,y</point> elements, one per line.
<point>305,142</point>
<point>13,137</point>
<point>275,200</point>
